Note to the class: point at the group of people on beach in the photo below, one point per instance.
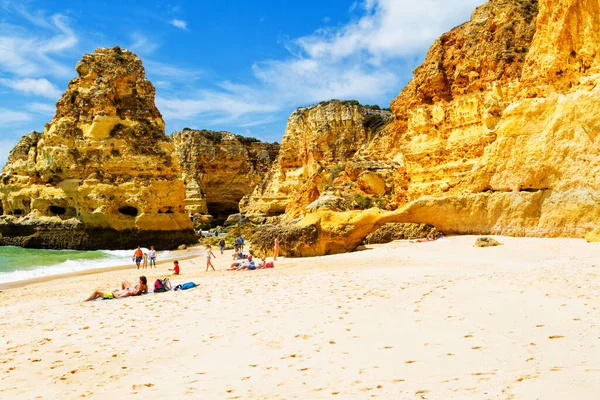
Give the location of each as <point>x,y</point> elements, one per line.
<point>243,261</point>
<point>144,259</point>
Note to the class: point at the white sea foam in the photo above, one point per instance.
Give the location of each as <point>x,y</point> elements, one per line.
<point>113,258</point>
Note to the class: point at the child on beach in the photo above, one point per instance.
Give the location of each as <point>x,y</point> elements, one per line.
<point>175,267</point>
<point>222,245</point>
<point>145,261</point>
<point>209,253</point>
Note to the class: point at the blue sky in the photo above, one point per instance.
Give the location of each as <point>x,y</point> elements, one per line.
<point>241,66</point>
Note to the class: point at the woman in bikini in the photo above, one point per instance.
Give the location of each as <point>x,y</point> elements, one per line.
<point>126,291</point>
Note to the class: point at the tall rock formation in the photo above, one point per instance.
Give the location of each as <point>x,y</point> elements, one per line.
<point>220,168</point>
<point>318,144</point>
<point>497,133</point>
<point>101,175</point>
<point>517,155</point>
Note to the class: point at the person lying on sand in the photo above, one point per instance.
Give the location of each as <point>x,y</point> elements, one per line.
<point>262,263</point>
<point>247,264</point>
<point>126,291</point>
<point>429,238</point>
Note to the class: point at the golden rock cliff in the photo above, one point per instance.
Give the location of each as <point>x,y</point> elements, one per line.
<point>101,175</point>
<point>517,156</point>
<point>318,144</point>
<point>219,169</point>
<point>497,133</point>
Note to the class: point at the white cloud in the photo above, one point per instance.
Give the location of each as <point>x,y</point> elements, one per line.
<point>34,53</point>
<point>142,44</point>
<point>217,106</point>
<point>171,73</point>
<point>178,23</point>
<point>42,108</point>
<point>41,87</point>
<point>10,116</point>
<point>364,59</point>
<point>389,28</point>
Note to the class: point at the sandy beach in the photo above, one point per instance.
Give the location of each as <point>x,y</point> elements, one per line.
<point>439,320</point>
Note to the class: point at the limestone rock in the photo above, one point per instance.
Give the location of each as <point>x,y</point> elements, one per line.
<point>497,132</point>
<point>220,168</point>
<point>101,175</point>
<point>486,242</point>
<point>328,202</point>
<point>390,232</point>
<point>202,221</point>
<point>321,232</point>
<point>593,236</point>
<point>318,143</point>
<point>294,240</point>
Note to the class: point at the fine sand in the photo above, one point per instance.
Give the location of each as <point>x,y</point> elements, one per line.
<point>438,320</point>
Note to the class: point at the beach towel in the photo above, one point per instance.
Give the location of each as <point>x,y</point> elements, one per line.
<point>185,286</point>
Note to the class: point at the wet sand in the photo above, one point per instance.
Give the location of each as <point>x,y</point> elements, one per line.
<point>439,320</point>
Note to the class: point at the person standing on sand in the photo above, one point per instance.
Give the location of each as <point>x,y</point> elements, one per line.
<point>209,253</point>
<point>222,245</point>
<point>137,257</point>
<point>276,248</point>
<point>152,256</point>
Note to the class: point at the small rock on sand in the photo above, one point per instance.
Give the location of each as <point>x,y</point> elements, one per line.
<point>486,242</point>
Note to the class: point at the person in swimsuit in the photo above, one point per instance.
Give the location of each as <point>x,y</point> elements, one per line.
<point>209,253</point>
<point>137,257</point>
<point>276,248</point>
<point>126,291</point>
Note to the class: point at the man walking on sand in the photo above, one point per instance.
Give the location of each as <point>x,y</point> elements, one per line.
<point>137,257</point>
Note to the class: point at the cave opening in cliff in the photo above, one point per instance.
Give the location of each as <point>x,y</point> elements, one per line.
<point>220,211</point>
<point>18,212</point>
<point>57,210</point>
<point>129,211</point>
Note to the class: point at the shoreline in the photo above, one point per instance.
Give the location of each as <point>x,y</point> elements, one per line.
<point>93,271</point>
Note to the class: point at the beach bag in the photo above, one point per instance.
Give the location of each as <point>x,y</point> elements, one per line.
<point>270,264</point>
<point>162,285</point>
<point>185,286</point>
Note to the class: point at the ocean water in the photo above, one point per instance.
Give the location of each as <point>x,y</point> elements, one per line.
<point>17,264</point>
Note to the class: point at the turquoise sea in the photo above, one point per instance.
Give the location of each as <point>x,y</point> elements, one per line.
<point>17,264</point>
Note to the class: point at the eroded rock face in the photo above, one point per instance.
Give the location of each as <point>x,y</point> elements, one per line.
<point>517,155</point>
<point>497,133</point>
<point>220,168</point>
<point>319,144</point>
<point>101,175</point>
<point>390,232</point>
